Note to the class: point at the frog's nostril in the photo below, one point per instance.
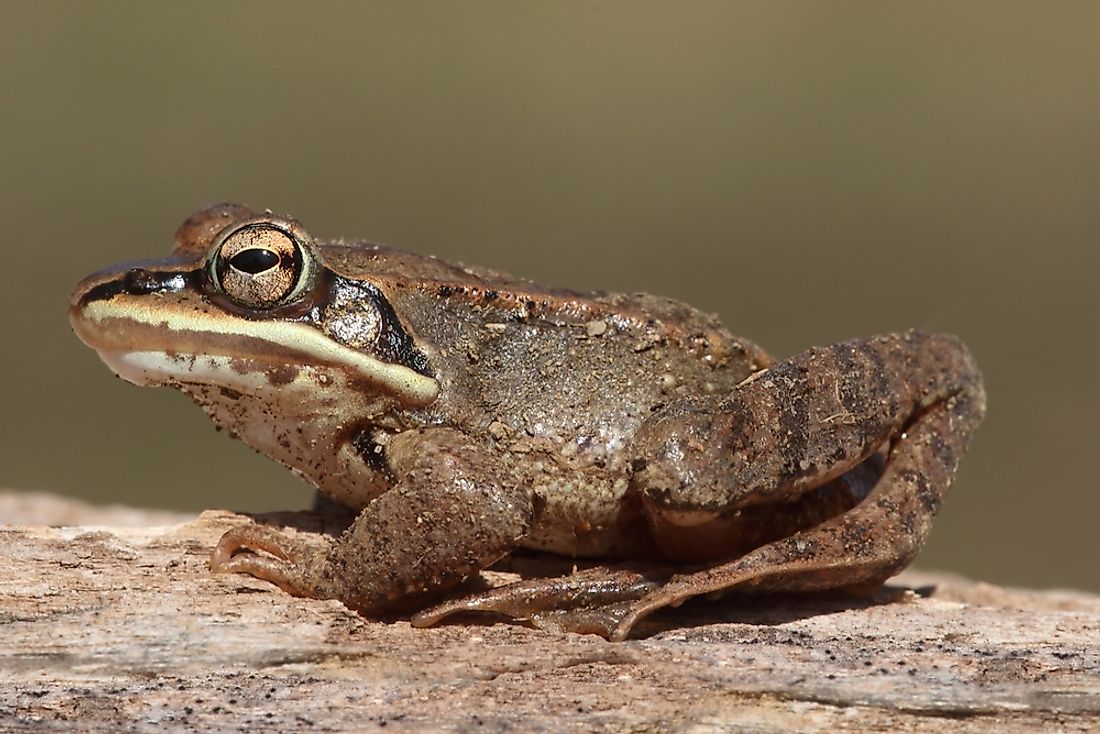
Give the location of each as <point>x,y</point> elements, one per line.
<point>139,281</point>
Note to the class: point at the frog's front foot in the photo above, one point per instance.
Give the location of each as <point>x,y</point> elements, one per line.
<point>595,601</point>
<point>290,564</point>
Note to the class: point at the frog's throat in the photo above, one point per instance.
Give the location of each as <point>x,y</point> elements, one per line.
<point>131,340</point>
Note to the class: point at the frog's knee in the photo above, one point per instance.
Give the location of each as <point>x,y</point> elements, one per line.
<point>685,476</point>
<point>684,456</point>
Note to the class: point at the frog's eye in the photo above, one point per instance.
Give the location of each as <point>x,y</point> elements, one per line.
<point>260,265</point>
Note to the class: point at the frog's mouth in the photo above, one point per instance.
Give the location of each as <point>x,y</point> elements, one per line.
<point>157,343</point>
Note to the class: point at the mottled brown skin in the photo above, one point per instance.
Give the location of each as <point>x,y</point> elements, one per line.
<point>630,428</point>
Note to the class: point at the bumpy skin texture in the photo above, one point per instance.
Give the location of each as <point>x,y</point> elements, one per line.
<point>806,420</point>
<point>465,413</point>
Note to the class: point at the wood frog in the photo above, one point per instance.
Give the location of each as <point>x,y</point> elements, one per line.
<point>464,413</point>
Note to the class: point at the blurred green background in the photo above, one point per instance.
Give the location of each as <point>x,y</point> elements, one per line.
<point>811,171</point>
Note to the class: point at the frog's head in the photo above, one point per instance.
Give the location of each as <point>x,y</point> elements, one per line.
<point>246,318</point>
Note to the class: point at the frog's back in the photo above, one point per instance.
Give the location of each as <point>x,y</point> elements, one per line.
<point>545,360</point>
<point>500,296</point>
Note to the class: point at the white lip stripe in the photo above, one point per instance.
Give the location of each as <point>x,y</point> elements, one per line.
<point>412,385</point>
<point>150,367</point>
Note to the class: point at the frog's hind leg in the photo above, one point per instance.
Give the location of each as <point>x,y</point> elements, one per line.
<point>918,396</point>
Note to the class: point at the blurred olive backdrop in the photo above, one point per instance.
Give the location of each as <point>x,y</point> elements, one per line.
<point>812,171</point>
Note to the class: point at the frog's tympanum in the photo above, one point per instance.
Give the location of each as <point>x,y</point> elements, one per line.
<point>464,413</point>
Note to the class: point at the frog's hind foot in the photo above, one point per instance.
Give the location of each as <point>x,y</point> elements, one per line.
<point>594,601</point>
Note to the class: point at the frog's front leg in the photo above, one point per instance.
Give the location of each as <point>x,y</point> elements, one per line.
<point>448,515</point>
<point>789,450</point>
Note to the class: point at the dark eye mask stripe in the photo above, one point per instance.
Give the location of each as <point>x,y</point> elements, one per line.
<point>139,281</point>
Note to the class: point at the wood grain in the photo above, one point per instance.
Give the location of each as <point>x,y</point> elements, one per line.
<point>113,628</point>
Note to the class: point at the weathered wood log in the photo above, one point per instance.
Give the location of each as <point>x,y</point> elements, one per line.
<point>112,628</point>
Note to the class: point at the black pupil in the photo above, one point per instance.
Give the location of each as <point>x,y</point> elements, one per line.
<point>254,260</point>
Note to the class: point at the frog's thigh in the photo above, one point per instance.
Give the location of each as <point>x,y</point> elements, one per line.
<point>805,421</point>
<point>938,389</point>
<point>447,516</point>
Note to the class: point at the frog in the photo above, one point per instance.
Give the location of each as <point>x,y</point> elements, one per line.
<point>461,415</point>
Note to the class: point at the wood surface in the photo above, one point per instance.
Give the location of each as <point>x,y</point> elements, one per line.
<point>108,623</point>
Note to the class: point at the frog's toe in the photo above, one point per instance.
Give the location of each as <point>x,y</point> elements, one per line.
<point>602,620</point>
<point>236,552</point>
<point>590,602</point>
